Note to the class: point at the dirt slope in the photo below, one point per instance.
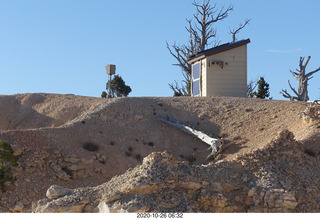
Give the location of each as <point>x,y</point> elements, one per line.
<point>76,141</point>
<point>262,181</point>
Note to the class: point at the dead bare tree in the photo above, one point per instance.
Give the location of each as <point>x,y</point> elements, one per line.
<point>179,91</point>
<point>206,16</point>
<point>240,27</point>
<point>302,78</point>
<point>251,86</point>
<point>200,35</point>
<point>180,53</point>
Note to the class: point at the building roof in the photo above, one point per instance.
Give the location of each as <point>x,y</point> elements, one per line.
<point>216,50</point>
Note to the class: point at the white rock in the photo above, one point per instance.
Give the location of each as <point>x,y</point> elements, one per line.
<point>105,208</point>
<point>55,192</point>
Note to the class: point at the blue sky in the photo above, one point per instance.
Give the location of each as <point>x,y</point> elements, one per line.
<point>62,46</point>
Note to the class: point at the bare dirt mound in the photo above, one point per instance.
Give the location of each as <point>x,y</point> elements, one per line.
<point>76,141</point>
<point>262,181</point>
<point>27,111</point>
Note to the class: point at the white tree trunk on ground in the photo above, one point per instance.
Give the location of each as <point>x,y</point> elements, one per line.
<point>214,143</point>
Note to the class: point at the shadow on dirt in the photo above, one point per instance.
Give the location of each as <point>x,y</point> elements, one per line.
<point>18,113</point>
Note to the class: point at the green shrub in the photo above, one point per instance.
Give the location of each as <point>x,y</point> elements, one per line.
<point>7,161</point>
<point>104,94</point>
<point>263,90</point>
<point>118,87</point>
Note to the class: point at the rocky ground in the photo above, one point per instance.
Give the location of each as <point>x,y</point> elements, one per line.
<point>114,155</point>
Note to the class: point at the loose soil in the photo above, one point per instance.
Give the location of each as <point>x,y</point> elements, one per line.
<point>89,140</point>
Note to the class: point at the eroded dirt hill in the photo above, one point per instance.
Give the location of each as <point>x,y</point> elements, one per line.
<point>262,181</point>
<point>74,141</point>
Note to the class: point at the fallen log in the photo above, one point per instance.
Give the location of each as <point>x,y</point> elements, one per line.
<point>215,145</point>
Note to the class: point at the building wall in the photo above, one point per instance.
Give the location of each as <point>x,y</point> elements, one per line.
<point>203,78</point>
<point>231,80</point>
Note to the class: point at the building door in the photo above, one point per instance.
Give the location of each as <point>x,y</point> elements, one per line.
<point>196,79</point>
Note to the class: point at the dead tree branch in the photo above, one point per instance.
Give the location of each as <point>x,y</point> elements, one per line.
<point>313,111</point>
<point>287,95</point>
<point>214,143</point>
<point>294,90</point>
<point>236,31</point>
<point>302,77</point>
<point>311,73</point>
<point>179,91</point>
<point>206,16</point>
<point>251,86</point>
<point>180,54</point>
<point>295,75</point>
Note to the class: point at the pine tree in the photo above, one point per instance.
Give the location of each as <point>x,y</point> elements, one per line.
<point>104,94</point>
<point>263,89</point>
<point>119,87</point>
<point>7,161</point>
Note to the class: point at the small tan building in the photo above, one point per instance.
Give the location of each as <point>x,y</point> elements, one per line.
<point>220,71</point>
